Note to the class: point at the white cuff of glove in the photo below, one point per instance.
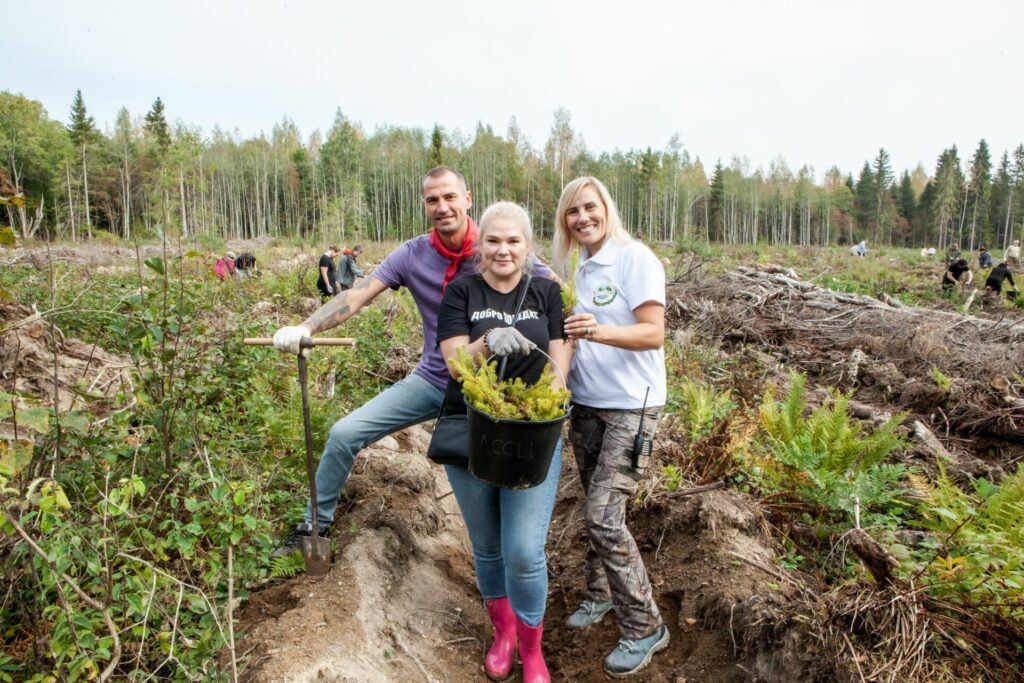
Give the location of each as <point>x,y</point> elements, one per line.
<point>287,339</point>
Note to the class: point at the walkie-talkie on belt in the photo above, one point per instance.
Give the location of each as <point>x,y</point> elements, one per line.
<point>641,445</point>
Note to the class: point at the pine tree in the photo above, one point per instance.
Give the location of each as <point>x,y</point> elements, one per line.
<point>948,200</point>
<point>907,201</point>
<point>980,191</point>
<point>883,178</point>
<point>999,201</point>
<point>82,130</point>
<point>716,204</point>
<point>866,194</point>
<point>156,125</point>
<point>437,146</point>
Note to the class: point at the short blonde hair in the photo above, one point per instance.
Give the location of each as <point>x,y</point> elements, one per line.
<point>565,241</point>
<point>513,213</point>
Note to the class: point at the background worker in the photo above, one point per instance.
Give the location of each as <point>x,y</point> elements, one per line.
<point>994,281</point>
<point>1012,256</point>
<point>245,265</point>
<point>225,266</point>
<point>326,280</point>
<point>958,273</point>
<point>424,265</point>
<point>984,257</point>
<point>348,271</point>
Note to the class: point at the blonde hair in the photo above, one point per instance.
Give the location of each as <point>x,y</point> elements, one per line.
<point>565,241</point>
<point>513,213</point>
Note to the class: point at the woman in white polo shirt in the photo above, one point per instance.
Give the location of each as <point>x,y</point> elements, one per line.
<point>618,374</point>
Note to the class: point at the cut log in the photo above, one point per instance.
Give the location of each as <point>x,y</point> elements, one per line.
<point>876,558</point>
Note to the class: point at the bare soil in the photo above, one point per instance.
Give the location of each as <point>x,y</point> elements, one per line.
<point>401,604</point>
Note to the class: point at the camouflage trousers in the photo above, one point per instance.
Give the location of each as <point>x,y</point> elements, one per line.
<point>602,442</point>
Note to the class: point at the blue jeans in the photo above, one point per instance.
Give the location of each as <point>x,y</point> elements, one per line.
<point>407,402</point>
<point>508,529</point>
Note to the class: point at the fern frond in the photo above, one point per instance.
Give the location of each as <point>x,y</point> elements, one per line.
<point>287,566</point>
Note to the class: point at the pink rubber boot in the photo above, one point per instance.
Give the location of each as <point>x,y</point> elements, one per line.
<point>530,654</point>
<point>498,662</point>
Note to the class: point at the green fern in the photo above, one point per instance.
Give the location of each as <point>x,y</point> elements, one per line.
<point>829,458</point>
<point>700,406</point>
<point>287,566</point>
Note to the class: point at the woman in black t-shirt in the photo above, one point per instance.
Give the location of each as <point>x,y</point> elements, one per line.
<point>477,314</point>
<point>326,280</point>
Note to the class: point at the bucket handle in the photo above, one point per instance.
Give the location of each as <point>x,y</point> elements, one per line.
<point>561,375</point>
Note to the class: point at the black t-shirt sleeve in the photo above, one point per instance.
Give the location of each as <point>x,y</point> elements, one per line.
<point>453,318</point>
<point>326,262</point>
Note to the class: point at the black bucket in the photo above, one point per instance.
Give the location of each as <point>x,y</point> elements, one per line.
<point>513,454</point>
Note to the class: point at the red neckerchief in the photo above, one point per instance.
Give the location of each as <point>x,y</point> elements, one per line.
<point>456,257</point>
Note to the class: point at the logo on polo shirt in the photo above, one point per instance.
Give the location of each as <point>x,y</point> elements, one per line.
<point>605,293</point>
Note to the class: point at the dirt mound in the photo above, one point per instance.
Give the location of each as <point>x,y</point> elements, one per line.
<point>400,602</point>
<point>36,359</point>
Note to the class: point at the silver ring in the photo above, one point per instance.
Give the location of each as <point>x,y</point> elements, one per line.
<point>588,331</point>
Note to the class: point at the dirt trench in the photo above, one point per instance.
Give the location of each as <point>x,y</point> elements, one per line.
<point>400,602</point>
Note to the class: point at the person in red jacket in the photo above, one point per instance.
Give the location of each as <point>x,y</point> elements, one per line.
<point>225,266</point>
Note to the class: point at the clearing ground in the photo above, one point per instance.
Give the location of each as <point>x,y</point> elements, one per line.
<point>400,603</point>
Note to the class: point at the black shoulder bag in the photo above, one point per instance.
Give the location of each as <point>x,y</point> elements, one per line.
<point>449,444</point>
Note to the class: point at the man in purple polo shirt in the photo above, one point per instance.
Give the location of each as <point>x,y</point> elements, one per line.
<point>425,265</point>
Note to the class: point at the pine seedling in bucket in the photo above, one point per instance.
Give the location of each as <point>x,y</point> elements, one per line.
<point>513,427</point>
<point>508,399</point>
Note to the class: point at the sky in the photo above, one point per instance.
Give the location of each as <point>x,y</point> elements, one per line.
<point>819,83</point>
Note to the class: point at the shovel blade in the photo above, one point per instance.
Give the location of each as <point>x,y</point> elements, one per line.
<point>316,553</point>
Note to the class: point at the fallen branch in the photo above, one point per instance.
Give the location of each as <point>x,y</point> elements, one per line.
<point>875,557</point>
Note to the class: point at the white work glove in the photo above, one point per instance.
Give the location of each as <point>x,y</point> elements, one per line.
<point>287,339</point>
<point>330,290</point>
<point>504,341</point>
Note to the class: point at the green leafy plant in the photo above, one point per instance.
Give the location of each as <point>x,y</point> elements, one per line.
<point>699,405</point>
<point>978,547</point>
<point>828,458</point>
<point>287,566</point>
<point>672,477</point>
<point>569,298</point>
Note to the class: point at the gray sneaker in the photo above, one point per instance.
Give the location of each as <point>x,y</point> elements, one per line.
<point>293,541</point>
<point>588,614</point>
<point>632,655</point>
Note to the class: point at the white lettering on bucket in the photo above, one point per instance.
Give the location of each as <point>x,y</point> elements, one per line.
<point>522,450</point>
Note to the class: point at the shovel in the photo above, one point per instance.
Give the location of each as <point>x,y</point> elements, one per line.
<point>316,550</point>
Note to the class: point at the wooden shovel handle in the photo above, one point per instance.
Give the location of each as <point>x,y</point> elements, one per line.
<point>313,341</point>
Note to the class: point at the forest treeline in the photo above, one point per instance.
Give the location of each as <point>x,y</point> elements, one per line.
<point>145,173</point>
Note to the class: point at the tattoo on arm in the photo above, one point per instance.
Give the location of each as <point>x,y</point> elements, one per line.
<point>335,311</point>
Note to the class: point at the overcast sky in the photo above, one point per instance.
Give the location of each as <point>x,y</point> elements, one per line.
<point>817,83</point>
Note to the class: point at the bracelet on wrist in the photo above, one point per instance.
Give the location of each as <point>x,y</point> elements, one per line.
<point>484,338</point>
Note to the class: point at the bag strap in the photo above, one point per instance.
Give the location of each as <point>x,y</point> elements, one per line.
<point>519,307</point>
